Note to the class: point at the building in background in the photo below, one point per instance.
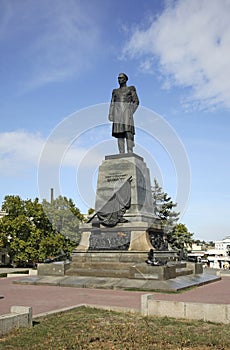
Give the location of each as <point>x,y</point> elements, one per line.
<point>219,257</point>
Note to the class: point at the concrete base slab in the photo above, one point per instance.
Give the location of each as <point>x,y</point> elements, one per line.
<point>171,285</point>
<point>29,280</point>
<point>72,281</point>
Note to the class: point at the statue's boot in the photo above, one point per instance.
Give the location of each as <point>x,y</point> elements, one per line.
<point>130,145</point>
<point>121,144</point>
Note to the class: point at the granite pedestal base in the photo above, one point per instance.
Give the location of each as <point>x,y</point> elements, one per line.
<point>120,249</point>
<point>130,236</point>
<point>114,251</point>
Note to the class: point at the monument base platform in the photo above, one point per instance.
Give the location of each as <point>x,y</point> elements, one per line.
<point>129,265</point>
<point>170,285</point>
<point>121,270</point>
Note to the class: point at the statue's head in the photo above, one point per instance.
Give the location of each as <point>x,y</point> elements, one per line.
<point>122,76</point>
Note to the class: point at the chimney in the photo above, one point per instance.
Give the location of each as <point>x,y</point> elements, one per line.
<point>51,195</point>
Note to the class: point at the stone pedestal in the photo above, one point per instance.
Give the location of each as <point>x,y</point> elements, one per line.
<point>130,236</point>
<point>134,234</point>
<point>112,174</point>
<point>114,251</point>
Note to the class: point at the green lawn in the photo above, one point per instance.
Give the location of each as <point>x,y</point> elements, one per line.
<point>87,328</point>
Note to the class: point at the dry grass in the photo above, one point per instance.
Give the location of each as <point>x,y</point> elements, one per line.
<point>86,328</point>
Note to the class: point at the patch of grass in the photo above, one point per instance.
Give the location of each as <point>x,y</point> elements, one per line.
<point>88,328</point>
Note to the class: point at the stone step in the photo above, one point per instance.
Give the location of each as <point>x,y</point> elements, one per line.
<point>100,269</point>
<point>128,270</point>
<point>145,276</point>
<point>101,265</point>
<point>98,272</point>
<point>110,257</point>
<point>184,271</point>
<point>178,265</point>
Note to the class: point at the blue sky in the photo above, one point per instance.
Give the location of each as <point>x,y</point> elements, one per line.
<point>59,63</point>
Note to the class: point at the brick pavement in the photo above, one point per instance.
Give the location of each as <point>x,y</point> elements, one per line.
<point>49,298</point>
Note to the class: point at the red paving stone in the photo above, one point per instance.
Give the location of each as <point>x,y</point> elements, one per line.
<point>214,293</point>
<point>50,298</point>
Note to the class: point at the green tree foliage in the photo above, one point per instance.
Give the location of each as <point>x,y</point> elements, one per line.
<point>177,234</point>
<point>211,244</point>
<point>180,237</point>
<point>14,206</point>
<point>64,217</point>
<point>28,233</point>
<point>3,240</point>
<point>163,207</point>
<point>91,211</point>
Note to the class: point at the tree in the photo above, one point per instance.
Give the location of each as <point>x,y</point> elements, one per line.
<point>176,234</point>
<point>64,217</point>
<point>3,240</point>
<point>29,235</point>
<point>180,237</point>
<point>14,206</point>
<point>20,229</point>
<point>91,211</point>
<point>163,207</point>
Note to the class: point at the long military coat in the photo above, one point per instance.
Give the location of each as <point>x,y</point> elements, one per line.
<point>123,104</point>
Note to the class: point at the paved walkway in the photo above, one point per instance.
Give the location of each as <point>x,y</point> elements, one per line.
<point>49,298</point>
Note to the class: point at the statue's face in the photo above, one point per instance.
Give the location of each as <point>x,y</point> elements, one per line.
<point>121,79</point>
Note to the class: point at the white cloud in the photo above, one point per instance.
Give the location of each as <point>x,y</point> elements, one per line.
<point>190,40</point>
<point>20,152</point>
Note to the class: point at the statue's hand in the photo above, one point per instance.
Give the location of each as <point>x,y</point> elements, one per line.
<point>111,117</point>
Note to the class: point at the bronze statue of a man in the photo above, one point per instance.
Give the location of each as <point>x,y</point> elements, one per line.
<point>123,105</point>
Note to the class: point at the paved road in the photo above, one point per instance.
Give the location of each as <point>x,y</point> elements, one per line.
<point>50,298</point>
